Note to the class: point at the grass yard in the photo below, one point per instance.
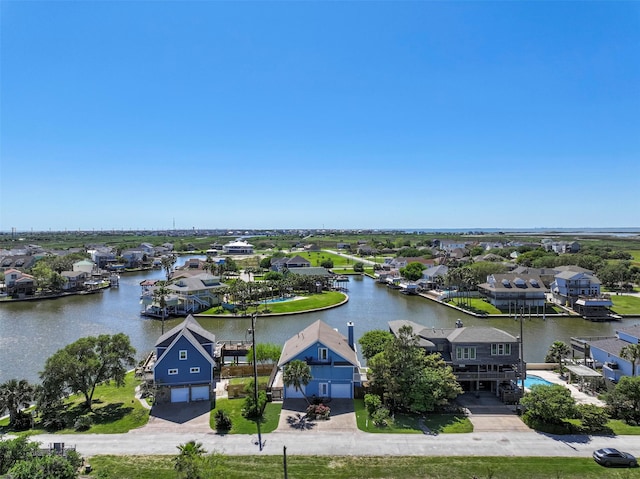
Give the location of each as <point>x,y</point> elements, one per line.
<point>370,467</point>
<point>626,304</point>
<point>476,305</point>
<point>309,303</point>
<point>115,410</point>
<point>409,424</point>
<point>241,425</point>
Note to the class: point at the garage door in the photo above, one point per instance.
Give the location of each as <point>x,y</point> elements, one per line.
<point>291,393</point>
<point>180,395</point>
<point>199,393</point>
<point>340,390</point>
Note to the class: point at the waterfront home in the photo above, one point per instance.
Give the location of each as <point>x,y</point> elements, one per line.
<point>280,264</point>
<point>515,292</point>
<point>434,276</point>
<point>19,284</point>
<point>579,289</point>
<point>184,364</point>
<point>482,358</point>
<point>608,352</point>
<point>238,247</point>
<point>332,358</point>
<point>74,280</point>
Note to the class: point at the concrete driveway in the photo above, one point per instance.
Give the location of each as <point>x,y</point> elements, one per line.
<point>488,414</point>
<point>178,417</point>
<point>343,417</point>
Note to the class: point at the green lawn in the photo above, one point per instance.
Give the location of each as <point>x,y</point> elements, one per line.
<point>309,303</point>
<point>261,380</point>
<point>476,305</point>
<point>369,467</point>
<point>625,304</point>
<point>115,410</point>
<point>411,424</point>
<point>241,425</point>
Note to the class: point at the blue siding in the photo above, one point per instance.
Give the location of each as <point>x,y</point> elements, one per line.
<point>172,361</point>
<point>627,337</point>
<point>325,371</point>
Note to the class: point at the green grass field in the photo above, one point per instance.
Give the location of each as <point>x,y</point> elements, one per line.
<point>241,425</point>
<point>369,467</point>
<point>626,304</point>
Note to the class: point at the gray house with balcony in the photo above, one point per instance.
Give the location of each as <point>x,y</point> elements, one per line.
<point>482,358</point>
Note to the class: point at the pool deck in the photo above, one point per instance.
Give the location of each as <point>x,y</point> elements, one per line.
<point>580,396</point>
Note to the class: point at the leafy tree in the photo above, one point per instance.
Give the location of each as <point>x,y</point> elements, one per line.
<point>43,274</point>
<point>15,394</point>
<point>373,342</point>
<point>409,252</point>
<point>273,276</point>
<point>549,403</point>
<point>358,267</point>
<point>593,417</point>
<point>265,353</point>
<point>624,401</point>
<point>265,263</point>
<point>413,271</point>
<point>189,462</point>
<point>409,380</point>
<point>557,352</point>
<point>15,450</point>
<point>297,373</point>
<point>82,365</point>
<point>250,409</point>
<point>327,263</point>
<point>631,353</point>
<point>49,466</point>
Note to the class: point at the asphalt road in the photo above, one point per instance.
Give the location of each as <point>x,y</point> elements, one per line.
<point>305,442</point>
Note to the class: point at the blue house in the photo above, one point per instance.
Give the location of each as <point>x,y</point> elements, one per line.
<point>183,370</point>
<point>607,351</point>
<point>335,368</point>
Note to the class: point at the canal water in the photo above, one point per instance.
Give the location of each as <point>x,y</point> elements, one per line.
<point>30,332</point>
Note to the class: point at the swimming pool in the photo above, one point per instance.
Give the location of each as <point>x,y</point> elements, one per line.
<point>532,380</point>
<point>280,300</point>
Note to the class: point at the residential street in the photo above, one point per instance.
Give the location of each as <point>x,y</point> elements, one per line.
<point>304,442</point>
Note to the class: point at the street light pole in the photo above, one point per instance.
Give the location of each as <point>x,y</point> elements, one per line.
<point>255,375</point>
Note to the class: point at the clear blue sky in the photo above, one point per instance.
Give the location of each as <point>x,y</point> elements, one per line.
<point>319,114</point>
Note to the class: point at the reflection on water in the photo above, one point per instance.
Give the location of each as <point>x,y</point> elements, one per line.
<point>32,331</point>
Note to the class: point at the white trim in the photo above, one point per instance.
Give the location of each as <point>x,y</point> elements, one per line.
<point>194,370</point>
<point>172,371</point>
<point>183,354</point>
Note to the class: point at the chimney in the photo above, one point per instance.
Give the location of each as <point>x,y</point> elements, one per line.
<point>350,334</point>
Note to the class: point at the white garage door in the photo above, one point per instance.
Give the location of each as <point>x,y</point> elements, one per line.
<point>199,393</point>
<point>291,393</point>
<point>180,395</point>
<point>340,390</point>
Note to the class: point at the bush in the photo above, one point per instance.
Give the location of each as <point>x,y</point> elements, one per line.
<point>250,409</point>
<point>23,421</point>
<point>223,420</point>
<point>318,411</point>
<point>380,417</point>
<point>593,417</point>
<point>372,402</point>
<point>83,423</point>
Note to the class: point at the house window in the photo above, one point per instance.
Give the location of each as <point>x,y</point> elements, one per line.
<point>183,354</point>
<point>173,372</point>
<point>466,352</point>
<point>194,370</point>
<point>323,354</point>
<point>500,349</point>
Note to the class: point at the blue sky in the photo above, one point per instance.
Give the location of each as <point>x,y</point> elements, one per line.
<point>319,114</point>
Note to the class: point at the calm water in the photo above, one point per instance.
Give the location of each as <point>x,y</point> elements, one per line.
<point>30,332</point>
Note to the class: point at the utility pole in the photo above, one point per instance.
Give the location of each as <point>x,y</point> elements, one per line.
<point>255,375</point>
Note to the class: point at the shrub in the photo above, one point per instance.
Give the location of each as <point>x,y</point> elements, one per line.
<point>380,417</point>
<point>250,409</point>
<point>593,417</point>
<point>23,421</point>
<point>372,402</point>
<point>223,420</point>
<point>318,411</point>
<point>83,423</point>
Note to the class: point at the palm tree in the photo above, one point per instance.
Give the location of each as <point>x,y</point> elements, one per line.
<point>631,353</point>
<point>15,394</point>
<point>187,463</point>
<point>297,373</point>
<point>557,351</point>
<point>167,264</point>
<point>160,295</point>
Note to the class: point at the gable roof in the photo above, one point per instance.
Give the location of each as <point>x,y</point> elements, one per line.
<point>193,332</point>
<point>318,332</point>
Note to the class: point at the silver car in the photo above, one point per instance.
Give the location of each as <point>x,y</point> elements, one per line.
<point>612,457</point>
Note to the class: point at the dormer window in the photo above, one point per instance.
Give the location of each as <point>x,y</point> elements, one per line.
<point>182,355</point>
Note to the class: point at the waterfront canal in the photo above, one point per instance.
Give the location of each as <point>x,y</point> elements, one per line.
<point>32,331</point>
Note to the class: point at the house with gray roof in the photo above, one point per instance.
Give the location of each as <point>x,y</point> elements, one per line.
<point>608,352</point>
<point>332,358</point>
<point>579,289</point>
<point>514,292</point>
<point>482,358</point>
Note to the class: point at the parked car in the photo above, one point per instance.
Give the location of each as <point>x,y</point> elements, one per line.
<point>612,457</point>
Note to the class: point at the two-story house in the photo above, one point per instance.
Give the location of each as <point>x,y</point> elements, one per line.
<point>185,360</point>
<point>579,289</point>
<point>332,358</point>
<point>514,292</point>
<point>238,247</point>
<point>19,284</point>
<point>482,358</point>
<point>608,352</point>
